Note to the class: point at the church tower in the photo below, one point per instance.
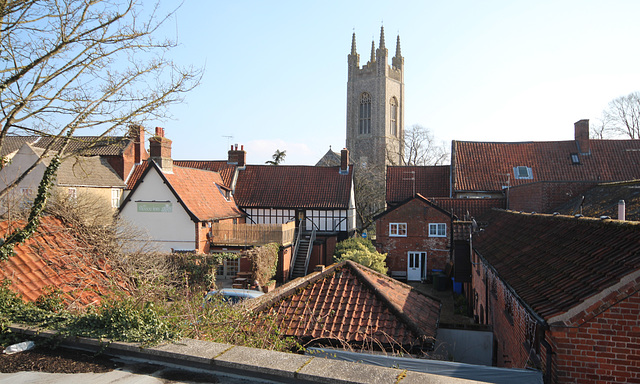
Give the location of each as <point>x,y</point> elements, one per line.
<point>375,107</point>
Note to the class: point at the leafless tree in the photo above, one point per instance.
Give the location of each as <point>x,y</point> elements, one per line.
<point>369,190</point>
<point>70,65</point>
<point>622,116</point>
<point>420,148</point>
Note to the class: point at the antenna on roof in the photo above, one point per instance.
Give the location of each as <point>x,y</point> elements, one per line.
<point>413,177</point>
<point>229,138</point>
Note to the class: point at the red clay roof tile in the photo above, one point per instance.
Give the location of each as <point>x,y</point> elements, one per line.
<point>406,182</point>
<point>293,186</point>
<point>54,257</point>
<point>484,166</point>
<point>555,262</point>
<point>198,190</point>
<point>351,303</point>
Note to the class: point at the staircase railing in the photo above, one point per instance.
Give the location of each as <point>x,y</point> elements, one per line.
<point>311,240</point>
<point>295,250</point>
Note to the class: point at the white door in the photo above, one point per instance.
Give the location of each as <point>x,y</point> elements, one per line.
<point>416,262</point>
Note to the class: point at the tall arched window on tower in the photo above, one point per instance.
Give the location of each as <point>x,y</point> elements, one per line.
<point>393,104</point>
<point>365,114</point>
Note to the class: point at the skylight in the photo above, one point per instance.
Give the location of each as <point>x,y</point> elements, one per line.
<point>575,159</point>
<point>522,172</point>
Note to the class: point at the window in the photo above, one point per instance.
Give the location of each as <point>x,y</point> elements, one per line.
<point>26,192</point>
<point>364,126</point>
<point>115,197</point>
<point>394,116</point>
<point>398,229</point>
<point>522,172</point>
<point>575,159</point>
<point>438,230</point>
<point>73,193</point>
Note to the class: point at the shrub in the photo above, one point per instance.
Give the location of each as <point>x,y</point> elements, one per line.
<point>363,252</point>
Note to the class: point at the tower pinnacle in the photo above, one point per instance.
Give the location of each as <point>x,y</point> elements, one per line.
<point>373,52</point>
<point>382,45</point>
<point>398,47</point>
<point>353,44</point>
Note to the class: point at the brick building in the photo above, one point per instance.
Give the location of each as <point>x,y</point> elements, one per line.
<point>416,236</point>
<point>561,293</point>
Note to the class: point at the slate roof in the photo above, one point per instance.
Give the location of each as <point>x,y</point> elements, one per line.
<point>603,199</point>
<point>354,304</point>
<point>52,257</point>
<point>554,263</point>
<point>429,181</point>
<point>483,166</point>
<point>197,190</point>
<point>293,186</point>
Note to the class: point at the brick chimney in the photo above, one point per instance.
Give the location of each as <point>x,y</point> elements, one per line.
<point>344,161</point>
<point>237,157</point>
<point>160,151</point>
<point>582,136</point>
<point>136,132</point>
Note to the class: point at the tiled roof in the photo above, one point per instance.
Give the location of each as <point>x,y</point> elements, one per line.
<point>603,201</point>
<point>483,166</point>
<point>418,197</point>
<point>354,304</point>
<point>89,145</point>
<point>136,174</point>
<point>405,182</point>
<point>293,186</point>
<point>52,257</point>
<point>225,169</point>
<point>198,191</point>
<point>11,144</point>
<point>92,171</point>
<point>555,262</point>
<point>474,207</point>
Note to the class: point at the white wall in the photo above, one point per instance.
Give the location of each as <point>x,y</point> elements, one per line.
<point>167,230</point>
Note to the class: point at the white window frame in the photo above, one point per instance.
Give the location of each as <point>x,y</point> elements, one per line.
<point>516,172</point>
<point>395,229</point>
<point>72,193</point>
<point>435,229</point>
<point>115,197</point>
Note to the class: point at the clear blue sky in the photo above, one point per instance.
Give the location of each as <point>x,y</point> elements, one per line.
<point>276,71</point>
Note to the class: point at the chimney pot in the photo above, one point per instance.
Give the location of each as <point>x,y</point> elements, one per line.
<point>621,210</point>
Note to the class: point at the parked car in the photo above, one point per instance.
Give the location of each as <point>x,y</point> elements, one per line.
<point>233,295</point>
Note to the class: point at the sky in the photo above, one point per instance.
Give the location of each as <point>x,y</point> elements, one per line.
<point>275,72</point>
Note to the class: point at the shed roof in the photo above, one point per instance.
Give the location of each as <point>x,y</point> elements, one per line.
<point>354,304</point>
<point>556,262</point>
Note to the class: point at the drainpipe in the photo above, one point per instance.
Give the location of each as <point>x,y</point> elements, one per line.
<point>547,346</point>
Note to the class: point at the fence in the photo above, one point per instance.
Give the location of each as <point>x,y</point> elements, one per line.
<point>252,234</point>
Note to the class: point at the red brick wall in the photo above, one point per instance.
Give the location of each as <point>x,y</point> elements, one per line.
<point>544,197</point>
<point>603,344</point>
<point>284,263</point>
<point>599,344</point>
<point>508,318</point>
<point>417,214</point>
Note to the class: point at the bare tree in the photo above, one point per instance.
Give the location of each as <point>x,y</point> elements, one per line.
<point>622,116</point>
<point>420,148</point>
<point>71,65</point>
<point>369,190</point>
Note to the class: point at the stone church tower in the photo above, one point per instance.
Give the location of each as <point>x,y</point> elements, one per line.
<point>375,107</point>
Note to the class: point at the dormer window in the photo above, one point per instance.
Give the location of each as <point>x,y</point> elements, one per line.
<point>575,159</point>
<point>226,192</point>
<point>522,172</point>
